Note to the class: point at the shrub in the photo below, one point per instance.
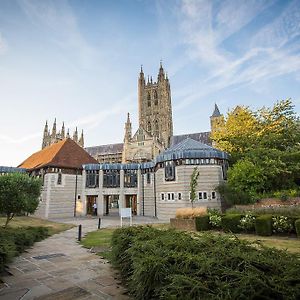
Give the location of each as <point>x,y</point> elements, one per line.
<point>297,226</point>
<point>215,218</point>
<point>263,225</point>
<point>175,265</point>
<point>202,223</point>
<point>231,223</point>
<point>247,223</point>
<point>281,224</point>
<point>190,213</point>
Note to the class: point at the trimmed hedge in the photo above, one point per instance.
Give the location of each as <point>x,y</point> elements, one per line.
<point>297,226</point>
<point>202,223</point>
<point>263,225</point>
<point>165,264</point>
<point>14,241</point>
<point>231,223</point>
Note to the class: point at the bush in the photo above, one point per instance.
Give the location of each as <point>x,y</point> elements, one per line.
<point>297,226</point>
<point>263,225</point>
<point>202,223</point>
<point>231,223</point>
<point>215,218</point>
<point>247,223</point>
<point>14,241</point>
<point>165,264</point>
<point>281,224</point>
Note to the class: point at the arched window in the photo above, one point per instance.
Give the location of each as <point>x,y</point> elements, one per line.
<point>149,127</point>
<point>149,99</point>
<point>155,98</point>
<point>156,128</point>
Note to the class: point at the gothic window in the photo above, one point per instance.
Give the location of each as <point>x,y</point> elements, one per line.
<point>156,128</point>
<point>111,178</point>
<point>169,171</point>
<point>149,99</point>
<point>130,178</point>
<point>92,179</point>
<point>155,98</point>
<point>149,127</point>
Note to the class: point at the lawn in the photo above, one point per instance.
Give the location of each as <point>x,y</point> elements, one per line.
<point>24,221</point>
<point>100,241</point>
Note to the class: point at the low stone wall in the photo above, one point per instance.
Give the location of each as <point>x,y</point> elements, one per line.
<point>183,224</point>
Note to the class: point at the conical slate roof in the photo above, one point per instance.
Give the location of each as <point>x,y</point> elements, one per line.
<point>216,112</point>
<point>190,148</point>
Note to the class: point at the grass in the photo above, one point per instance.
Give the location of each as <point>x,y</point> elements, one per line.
<point>100,240</point>
<point>24,221</point>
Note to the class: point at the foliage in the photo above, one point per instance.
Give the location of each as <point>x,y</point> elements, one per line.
<point>193,185</point>
<point>247,223</point>
<point>232,195</point>
<point>215,218</point>
<point>265,149</point>
<point>231,223</point>
<point>263,225</point>
<point>165,264</point>
<point>19,193</point>
<point>14,241</point>
<point>282,224</point>
<point>190,213</point>
<point>297,226</point>
<point>202,223</point>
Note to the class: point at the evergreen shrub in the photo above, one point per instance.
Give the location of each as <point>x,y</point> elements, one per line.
<point>231,223</point>
<point>263,225</point>
<point>167,264</point>
<point>202,223</point>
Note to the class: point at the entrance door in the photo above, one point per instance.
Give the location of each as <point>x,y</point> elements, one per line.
<point>111,204</point>
<point>90,200</point>
<point>131,201</point>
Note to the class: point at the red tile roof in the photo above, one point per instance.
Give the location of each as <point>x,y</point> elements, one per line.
<point>64,154</point>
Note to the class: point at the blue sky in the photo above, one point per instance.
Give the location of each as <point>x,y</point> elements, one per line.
<point>79,61</point>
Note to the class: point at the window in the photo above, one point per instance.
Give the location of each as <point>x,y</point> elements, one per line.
<point>169,196</point>
<point>156,128</point>
<point>149,127</point>
<point>148,178</point>
<point>92,179</point>
<point>205,195</point>
<point>59,178</point>
<point>213,195</point>
<point>179,196</point>
<point>111,178</point>
<point>155,98</point>
<point>162,196</point>
<point>149,99</point>
<point>169,171</point>
<point>172,196</point>
<point>130,178</point>
<point>200,196</point>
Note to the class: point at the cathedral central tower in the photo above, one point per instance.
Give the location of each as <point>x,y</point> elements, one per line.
<point>155,108</point>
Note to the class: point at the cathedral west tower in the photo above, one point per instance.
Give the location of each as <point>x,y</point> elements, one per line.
<point>155,108</point>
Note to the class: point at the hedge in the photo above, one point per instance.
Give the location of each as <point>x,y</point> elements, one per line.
<point>231,223</point>
<point>297,226</point>
<point>202,223</point>
<point>165,264</point>
<point>14,241</point>
<point>263,225</point>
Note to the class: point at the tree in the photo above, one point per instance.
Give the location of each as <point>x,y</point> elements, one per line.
<point>193,185</point>
<point>19,193</point>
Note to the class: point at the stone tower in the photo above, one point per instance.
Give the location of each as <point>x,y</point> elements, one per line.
<point>155,108</point>
<point>216,119</point>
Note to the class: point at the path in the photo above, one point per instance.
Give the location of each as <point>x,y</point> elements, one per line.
<point>59,268</point>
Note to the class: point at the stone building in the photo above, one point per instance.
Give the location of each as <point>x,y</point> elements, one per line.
<point>55,136</point>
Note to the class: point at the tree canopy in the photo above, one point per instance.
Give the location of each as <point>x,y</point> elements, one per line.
<point>264,146</point>
<point>19,193</point>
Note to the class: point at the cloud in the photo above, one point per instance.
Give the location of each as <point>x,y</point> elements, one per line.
<point>3,45</point>
<point>10,140</point>
<point>60,23</point>
<point>268,52</point>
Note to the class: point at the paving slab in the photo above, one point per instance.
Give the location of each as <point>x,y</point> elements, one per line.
<point>59,268</point>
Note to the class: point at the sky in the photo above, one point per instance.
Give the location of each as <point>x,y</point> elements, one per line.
<point>79,61</point>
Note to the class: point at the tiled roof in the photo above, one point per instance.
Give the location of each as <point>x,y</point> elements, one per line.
<point>64,154</point>
<point>202,137</point>
<point>105,149</point>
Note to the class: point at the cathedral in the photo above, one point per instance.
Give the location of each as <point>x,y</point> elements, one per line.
<point>155,130</point>
<point>55,136</point>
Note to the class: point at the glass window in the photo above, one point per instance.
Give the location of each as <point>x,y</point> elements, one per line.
<point>162,196</point>
<point>59,178</point>
<point>130,178</point>
<point>92,179</point>
<point>169,171</point>
<point>200,197</point>
<point>179,196</point>
<point>213,195</point>
<point>204,195</point>
<point>111,178</point>
<point>172,196</point>
<point>148,178</point>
